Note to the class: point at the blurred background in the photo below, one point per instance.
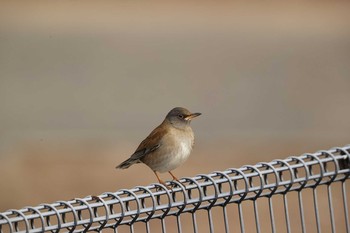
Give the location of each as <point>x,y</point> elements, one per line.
<point>83,82</point>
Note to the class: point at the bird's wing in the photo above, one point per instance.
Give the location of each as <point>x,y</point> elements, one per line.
<point>150,144</point>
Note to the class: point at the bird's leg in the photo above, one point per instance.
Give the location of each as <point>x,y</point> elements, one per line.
<point>174,177</point>
<point>160,181</point>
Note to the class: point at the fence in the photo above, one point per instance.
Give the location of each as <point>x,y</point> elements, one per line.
<point>299,194</point>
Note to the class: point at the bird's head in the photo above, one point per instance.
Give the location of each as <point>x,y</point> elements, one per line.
<point>180,117</point>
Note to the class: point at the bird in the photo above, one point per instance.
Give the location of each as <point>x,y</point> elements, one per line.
<point>168,146</point>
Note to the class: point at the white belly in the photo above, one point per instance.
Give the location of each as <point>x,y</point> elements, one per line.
<point>175,156</point>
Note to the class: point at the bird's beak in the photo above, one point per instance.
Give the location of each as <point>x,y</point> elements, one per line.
<point>193,115</point>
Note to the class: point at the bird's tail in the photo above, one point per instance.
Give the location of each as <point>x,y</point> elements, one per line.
<point>127,163</point>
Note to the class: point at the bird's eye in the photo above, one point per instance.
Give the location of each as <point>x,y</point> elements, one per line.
<point>180,116</point>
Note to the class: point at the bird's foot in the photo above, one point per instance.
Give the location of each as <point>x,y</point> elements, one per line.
<point>167,186</point>
<point>162,182</point>
<point>174,177</point>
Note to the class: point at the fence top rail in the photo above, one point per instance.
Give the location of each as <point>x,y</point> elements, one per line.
<point>219,188</point>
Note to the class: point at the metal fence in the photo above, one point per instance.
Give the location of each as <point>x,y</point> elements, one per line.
<point>307,193</point>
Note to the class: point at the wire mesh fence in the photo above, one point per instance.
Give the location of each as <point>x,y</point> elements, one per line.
<point>306,193</point>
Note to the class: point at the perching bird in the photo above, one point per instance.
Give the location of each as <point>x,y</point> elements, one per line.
<point>168,146</point>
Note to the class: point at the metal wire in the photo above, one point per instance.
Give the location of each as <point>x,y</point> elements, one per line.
<point>205,192</point>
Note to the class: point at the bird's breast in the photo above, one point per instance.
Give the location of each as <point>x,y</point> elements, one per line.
<point>175,149</point>
<point>184,147</point>
<point>182,141</point>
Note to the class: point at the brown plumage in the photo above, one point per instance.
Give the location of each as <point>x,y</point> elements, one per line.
<point>148,145</point>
